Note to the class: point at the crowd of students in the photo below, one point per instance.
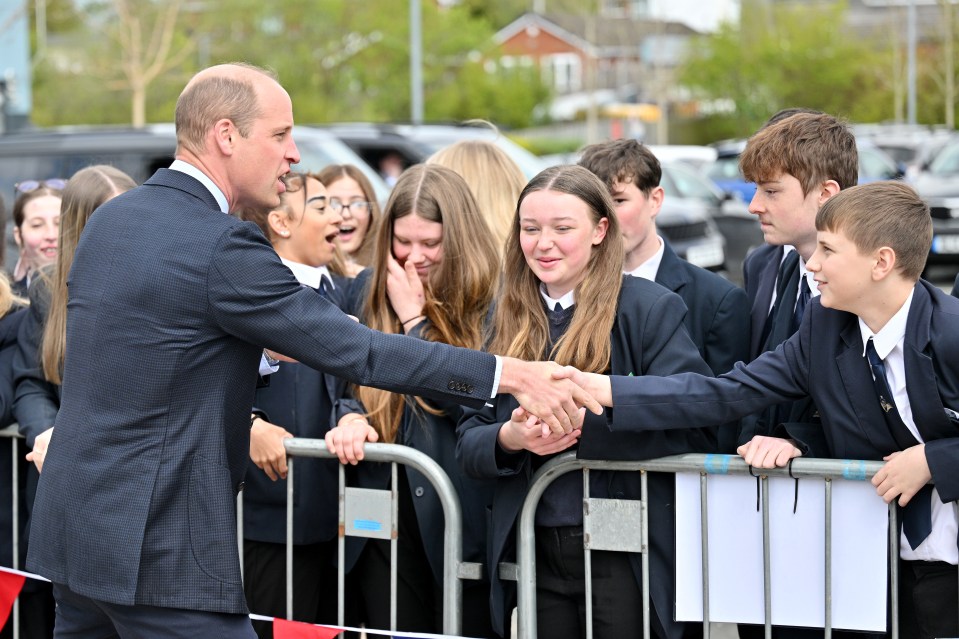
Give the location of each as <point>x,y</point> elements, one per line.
<point>567,267</point>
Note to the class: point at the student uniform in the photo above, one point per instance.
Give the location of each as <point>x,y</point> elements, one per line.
<point>421,518</point>
<point>648,337</point>
<point>825,360</point>
<point>300,399</point>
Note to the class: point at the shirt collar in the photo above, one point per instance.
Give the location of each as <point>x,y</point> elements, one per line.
<point>564,302</point>
<point>804,273</point>
<point>891,334</point>
<point>650,268</point>
<point>309,275</point>
<point>193,172</point>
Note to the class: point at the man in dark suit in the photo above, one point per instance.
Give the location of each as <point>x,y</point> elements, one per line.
<point>879,357</point>
<point>798,162</point>
<point>171,304</point>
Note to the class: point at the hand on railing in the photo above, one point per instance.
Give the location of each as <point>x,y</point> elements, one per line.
<point>266,448</point>
<point>905,472</point>
<point>39,452</point>
<point>525,431</point>
<point>768,452</point>
<point>347,439</point>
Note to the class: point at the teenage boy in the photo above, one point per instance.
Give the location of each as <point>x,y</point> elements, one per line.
<point>718,310</point>
<point>879,355</point>
<point>798,162</point>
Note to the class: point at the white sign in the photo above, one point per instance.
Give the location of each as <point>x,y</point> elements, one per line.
<point>859,552</point>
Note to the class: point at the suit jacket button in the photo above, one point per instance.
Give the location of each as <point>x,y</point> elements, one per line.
<point>451,385</point>
<point>419,491</point>
<point>469,389</point>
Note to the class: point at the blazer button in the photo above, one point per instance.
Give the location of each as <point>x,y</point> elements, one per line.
<point>419,491</point>
<point>451,385</point>
<point>469,389</point>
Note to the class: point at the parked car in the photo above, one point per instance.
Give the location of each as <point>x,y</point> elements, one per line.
<point>740,228</point>
<point>725,173</point>
<point>61,152</point>
<point>939,187</point>
<point>414,143</point>
<point>692,155</point>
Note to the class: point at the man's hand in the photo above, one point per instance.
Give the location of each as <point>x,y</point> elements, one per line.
<point>267,450</point>
<point>593,383</point>
<point>39,452</point>
<point>904,473</point>
<point>556,400</point>
<point>274,355</point>
<point>347,439</point>
<point>768,452</point>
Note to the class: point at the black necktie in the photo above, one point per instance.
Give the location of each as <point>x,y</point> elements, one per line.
<point>801,301</point>
<point>325,286</point>
<point>917,515</point>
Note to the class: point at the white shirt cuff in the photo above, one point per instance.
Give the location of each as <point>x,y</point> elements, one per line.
<point>497,375</point>
<point>266,369</point>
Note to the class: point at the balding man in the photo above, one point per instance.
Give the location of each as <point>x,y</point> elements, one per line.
<point>171,303</point>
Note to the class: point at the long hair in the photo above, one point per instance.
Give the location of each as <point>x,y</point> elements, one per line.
<point>493,177</point>
<point>363,254</point>
<point>460,288</point>
<point>520,327</point>
<point>86,190</point>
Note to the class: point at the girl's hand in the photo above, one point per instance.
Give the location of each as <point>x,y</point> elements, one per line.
<point>404,289</point>
<point>347,439</point>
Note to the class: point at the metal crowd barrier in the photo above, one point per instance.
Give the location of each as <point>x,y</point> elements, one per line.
<point>600,509</point>
<point>13,433</point>
<point>381,506</point>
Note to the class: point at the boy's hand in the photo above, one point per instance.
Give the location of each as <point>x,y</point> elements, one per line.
<point>903,475</point>
<point>768,452</point>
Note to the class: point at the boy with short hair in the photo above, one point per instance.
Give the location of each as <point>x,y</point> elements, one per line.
<point>798,162</point>
<point>717,309</point>
<point>879,355</point>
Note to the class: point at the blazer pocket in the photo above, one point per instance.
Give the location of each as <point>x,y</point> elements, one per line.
<point>213,520</point>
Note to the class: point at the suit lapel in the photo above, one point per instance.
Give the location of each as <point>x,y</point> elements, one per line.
<point>922,386</point>
<point>671,275</point>
<point>766,283</point>
<point>861,394</point>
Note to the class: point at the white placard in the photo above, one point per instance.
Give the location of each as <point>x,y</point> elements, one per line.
<point>797,552</point>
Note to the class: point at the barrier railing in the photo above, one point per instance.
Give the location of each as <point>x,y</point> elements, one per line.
<point>825,469</point>
<point>13,434</point>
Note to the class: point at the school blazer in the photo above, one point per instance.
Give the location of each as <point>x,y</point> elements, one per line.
<point>648,338</point>
<point>170,304</point>
<point>824,359</point>
<point>718,310</point>
<point>760,270</point>
<point>435,436</point>
<point>300,399</point>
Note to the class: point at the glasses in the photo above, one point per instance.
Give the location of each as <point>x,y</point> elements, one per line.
<point>29,186</point>
<point>357,206</point>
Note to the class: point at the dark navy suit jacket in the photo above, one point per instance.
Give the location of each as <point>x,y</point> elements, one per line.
<point>718,310</point>
<point>824,359</point>
<point>760,270</point>
<point>170,304</point>
<point>300,399</point>
<point>955,287</point>
<point>9,327</point>
<point>648,338</point>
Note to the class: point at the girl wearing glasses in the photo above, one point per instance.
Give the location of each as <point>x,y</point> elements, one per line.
<point>352,197</point>
<point>433,274</point>
<point>36,218</point>
<point>564,297</point>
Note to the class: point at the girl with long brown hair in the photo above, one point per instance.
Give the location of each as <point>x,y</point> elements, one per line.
<point>564,297</point>
<point>433,275</point>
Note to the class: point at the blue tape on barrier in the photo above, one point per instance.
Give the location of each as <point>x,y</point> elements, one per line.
<point>717,464</point>
<point>854,469</point>
<point>367,524</point>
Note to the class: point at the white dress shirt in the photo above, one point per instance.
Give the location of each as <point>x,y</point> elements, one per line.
<point>650,268</point>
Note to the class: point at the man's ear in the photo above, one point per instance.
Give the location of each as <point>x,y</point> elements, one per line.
<point>828,189</point>
<point>656,196</point>
<point>224,136</point>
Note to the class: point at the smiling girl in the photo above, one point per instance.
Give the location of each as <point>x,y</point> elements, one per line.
<point>564,297</point>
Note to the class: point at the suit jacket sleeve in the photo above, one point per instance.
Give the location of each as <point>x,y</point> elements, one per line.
<point>692,400</point>
<point>36,401</point>
<point>250,297</point>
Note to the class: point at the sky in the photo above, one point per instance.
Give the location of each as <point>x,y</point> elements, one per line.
<point>702,15</point>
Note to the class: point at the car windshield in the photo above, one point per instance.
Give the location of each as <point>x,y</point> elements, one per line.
<point>947,162</point>
<point>725,169</point>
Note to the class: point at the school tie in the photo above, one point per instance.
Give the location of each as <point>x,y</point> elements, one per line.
<point>325,286</point>
<point>917,515</point>
<point>801,301</point>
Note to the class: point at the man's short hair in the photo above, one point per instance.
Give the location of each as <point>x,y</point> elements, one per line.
<point>882,214</point>
<point>625,161</point>
<point>813,148</point>
<point>216,97</point>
